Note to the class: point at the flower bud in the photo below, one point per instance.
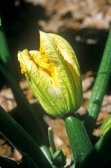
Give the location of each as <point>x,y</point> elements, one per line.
<point>53,74</point>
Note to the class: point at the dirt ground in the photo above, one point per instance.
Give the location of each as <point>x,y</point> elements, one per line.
<point>75,14</point>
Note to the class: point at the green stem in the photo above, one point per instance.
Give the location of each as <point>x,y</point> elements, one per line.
<point>4,52</point>
<point>21,139</point>
<point>51,141</point>
<point>99,88</point>
<point>100,154</point>
<point>27,114</point>
<point>47,154</point>
<point>78,138</point>
<point>27,162</point>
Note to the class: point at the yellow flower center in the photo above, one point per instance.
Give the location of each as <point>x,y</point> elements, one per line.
<point>45,65</point>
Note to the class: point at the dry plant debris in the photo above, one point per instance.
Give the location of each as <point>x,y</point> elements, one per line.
<point>74,14</point>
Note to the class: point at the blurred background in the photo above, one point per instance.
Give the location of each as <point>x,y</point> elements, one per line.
<point>84,23</point>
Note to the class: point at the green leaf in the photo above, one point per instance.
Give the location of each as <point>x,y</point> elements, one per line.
<point>21,139</point>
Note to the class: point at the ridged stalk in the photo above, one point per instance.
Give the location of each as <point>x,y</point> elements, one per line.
<point>78,138</point>
<point>99,88</point>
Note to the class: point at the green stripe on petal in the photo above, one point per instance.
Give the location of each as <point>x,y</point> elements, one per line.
<point>66,51</point>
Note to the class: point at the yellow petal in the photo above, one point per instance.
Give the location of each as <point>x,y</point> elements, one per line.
<point>53,74</point>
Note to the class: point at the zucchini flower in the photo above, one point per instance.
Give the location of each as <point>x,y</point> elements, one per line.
<point>53,74</point>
